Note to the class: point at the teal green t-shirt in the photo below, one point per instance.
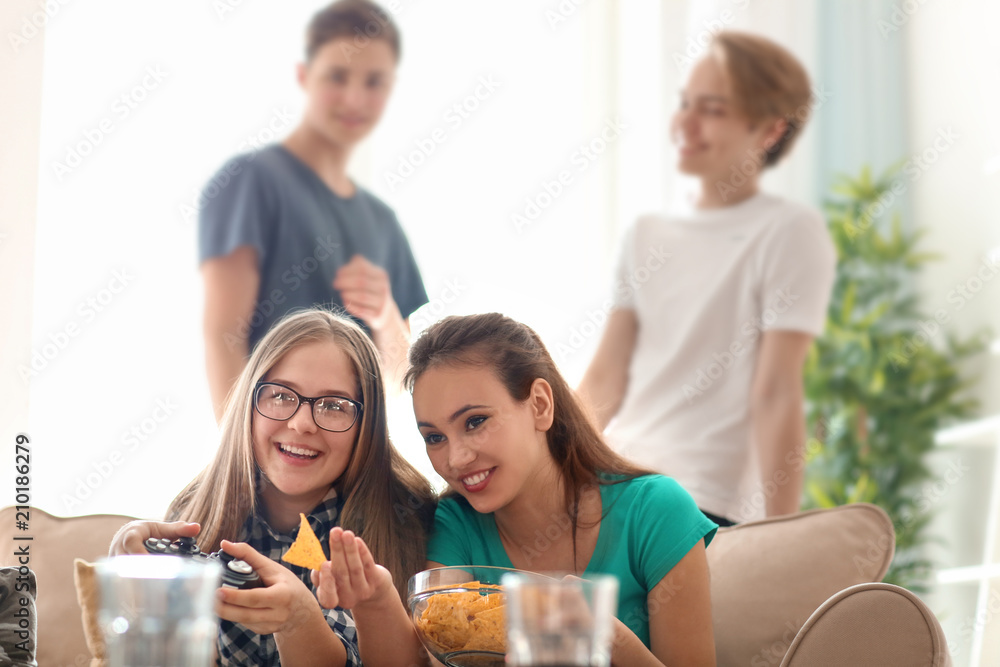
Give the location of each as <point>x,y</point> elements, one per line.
<point>649,524</point>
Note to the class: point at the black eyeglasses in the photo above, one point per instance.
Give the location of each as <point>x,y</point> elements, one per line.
<point>280,403</point>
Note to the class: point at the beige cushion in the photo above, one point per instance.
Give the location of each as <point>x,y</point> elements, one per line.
<point>88,594</point>
<point>870,625</point>
<point>769,576</point>
<point>57,541</point>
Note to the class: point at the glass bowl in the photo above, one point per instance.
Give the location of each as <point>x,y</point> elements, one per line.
<point>458,614</point>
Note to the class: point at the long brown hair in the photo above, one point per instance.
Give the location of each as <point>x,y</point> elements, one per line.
<point>517,356</point>
<point>386,501</point>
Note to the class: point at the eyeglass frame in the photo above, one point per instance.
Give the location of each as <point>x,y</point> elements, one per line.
<point>358,405</point>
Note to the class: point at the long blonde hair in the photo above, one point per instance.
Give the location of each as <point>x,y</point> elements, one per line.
<point>386,501</point>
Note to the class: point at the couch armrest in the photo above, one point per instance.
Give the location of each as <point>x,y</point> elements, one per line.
<point>57,541</point>
<point>870,625</point>
<point>769,576</point>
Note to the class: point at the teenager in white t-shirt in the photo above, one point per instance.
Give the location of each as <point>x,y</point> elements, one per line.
<point>700,364</point>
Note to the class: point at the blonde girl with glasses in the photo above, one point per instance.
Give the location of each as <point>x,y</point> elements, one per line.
<point>304,431</point>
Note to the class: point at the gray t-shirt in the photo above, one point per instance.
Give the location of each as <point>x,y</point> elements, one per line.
<point>303,233</point>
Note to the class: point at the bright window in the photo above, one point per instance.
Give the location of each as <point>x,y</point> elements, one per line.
<point>497,153</point>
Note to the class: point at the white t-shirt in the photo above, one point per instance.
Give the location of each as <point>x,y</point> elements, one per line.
<point>704,287</point>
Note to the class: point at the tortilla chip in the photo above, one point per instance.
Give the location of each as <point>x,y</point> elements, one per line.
<point>485,602</point>
<point>446,622</point>
<point>306,551</point>
<point>490,625</point>
<point>465,620</point>
<point>485,642</point>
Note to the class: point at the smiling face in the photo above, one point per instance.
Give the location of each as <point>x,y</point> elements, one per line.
<point>709,129</point>
<point>299,459</point>
<point>489,447</point>
<point>347,88</point>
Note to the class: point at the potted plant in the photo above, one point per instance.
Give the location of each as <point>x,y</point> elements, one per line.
<point>884,376</point>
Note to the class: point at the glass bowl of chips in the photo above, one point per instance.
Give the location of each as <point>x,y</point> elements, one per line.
<point>459,614</point>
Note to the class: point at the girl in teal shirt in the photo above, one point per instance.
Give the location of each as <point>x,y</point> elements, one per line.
<point>533,486</point>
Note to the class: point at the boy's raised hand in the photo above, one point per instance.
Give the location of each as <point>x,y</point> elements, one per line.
<point>282,605</point>
<point>351,577</point>
<point>366,291</point>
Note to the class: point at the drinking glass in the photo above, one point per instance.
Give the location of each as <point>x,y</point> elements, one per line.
<point>560,621</point>
<point>158,611</point>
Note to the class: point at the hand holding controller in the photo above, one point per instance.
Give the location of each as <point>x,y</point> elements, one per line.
<point>235,573</point>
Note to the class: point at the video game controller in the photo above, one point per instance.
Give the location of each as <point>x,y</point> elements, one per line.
<point>235,572</point>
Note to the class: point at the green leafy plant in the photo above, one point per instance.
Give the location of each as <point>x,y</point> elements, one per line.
<point>884,376</point>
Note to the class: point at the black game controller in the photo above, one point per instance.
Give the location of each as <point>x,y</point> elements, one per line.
<point>235,572</point>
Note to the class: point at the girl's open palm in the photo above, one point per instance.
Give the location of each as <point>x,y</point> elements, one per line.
<point>351,577</point>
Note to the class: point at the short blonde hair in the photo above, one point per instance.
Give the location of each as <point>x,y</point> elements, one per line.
<point>767,81</point>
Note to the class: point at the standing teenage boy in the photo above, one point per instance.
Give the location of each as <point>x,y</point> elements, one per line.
<point>701,364</point>
<point>290,230</point>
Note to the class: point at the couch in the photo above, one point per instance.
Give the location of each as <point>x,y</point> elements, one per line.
<point>792,591</point>
<point>803,590</point>
<point>57,541</point>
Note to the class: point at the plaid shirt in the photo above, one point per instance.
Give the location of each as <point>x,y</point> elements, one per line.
<point>239,646</point>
